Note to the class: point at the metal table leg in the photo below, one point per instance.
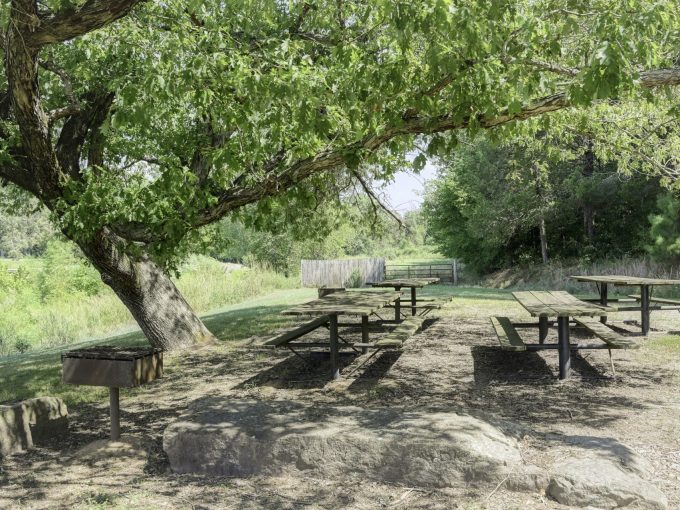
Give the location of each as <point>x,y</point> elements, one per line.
<point>114,410</point>
<point>644,308</point>
<point>364,333</point>
<point>413,301</point>
<point>397,308</point>
<point>603,300</point>
<point>563,347</point>
<point>333,326</point>
<point>542,329</point>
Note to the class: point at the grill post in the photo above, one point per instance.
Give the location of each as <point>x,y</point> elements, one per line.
<point>114,410</point>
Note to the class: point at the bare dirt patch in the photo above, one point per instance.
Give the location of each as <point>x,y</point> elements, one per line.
<point>453,363</point>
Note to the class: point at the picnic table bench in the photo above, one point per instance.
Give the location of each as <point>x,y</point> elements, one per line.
<point>413,284</point>
<point>325,312</point>
<point>565,308</point>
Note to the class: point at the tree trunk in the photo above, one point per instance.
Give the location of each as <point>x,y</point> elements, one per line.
<point>589,222</point>
<point>588,209</point>
<point>161,311</point>
<point>544,240</point>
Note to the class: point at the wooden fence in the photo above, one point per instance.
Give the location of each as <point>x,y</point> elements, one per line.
<point>445,272</point>
<point>340,273</point>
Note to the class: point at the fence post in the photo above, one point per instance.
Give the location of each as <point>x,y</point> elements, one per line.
<point>455,271</point>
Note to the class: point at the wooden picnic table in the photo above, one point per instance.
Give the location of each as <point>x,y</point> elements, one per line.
<point>409,283</point>
<point>563,306</point>
<point>645,284</point>
<point>351,303</point>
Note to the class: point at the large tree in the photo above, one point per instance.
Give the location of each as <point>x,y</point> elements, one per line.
<point>137,123</point>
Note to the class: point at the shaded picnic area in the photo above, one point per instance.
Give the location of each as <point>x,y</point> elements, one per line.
<point>453,363</point>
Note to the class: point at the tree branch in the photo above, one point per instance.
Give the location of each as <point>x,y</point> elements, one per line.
<point>17,176</point>
<point>76,130</point>
<point>375,199</point>
<point>70,23</point>
<point>276,182</point>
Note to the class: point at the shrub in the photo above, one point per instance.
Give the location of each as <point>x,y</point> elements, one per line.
<point>355,280</point>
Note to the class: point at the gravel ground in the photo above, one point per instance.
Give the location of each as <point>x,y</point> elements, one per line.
<point>453,363</point>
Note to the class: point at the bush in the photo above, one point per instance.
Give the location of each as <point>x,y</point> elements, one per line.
<point>65,272</point>
<point>22,346</point>
<point>355,280</point>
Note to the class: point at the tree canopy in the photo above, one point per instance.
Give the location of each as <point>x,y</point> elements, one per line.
<point>137,123</point>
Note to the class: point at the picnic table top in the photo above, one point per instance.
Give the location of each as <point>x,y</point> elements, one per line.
<point>363,302</point>
<point>624,280</point>
<point>558,303</point>
<point>405,282</point>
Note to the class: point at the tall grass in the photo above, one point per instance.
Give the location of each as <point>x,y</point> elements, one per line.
<point>35,313</point>
<point>556,275</point>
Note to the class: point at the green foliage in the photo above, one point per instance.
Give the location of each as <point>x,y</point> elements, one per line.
<point>665,230</point>
<point>355,280</point>
<point>59,300</point>
<point>285,82</point>
<point>349,227</point>
<point>486,205</point>
<point>66,273</point>
<point>25,228</point>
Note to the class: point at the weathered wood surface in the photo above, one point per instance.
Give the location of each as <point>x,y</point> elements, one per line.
<point>507,334</point>
<point>123,372</point>
<point>296,332</point>
<point>363,302</point>
<point>401,333</point>
<point>112,352</point>
<point>337,273</point>
<point>624,280</point>
<point>558,304</point>
<point>665,301</point>
<point>417,283</point>
<point>606,334</point>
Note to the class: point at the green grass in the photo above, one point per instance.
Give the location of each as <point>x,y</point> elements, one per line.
<point>39,373</point>
<point>669,344</point>
<point>65,302</point>
<point>33,374</point>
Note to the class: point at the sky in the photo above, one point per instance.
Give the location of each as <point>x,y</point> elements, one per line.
<point>405,193</point>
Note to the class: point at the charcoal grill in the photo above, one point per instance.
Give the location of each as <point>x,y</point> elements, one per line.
<point>115,368</point>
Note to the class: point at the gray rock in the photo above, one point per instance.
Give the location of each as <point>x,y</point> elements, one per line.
<point>437,448</point>
<point>15,434</point>
<point>593,480</point>
<point>47,418</point>
<point>30,422</point>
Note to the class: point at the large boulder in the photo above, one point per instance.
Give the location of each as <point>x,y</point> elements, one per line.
<point>592,480</point>
<point>15,434</point>
<point>438,448</point>
<point>30,422</point>
<point>47,418</point>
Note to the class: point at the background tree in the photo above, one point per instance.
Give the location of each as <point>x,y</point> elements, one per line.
<point>137,123</point>
<point>489,200</point>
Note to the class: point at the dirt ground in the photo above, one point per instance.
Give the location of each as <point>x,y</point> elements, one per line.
<point>453,363</point>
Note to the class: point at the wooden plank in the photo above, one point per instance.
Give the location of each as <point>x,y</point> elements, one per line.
<point>417,283</point>
<point>296,332</point>
<point>574,306</point>
<point>624,280</point>
<point>401,333</point>
<point>557,304</point>
<point>532,305</point>
<point>363,302</point>
<point>507,334</point>
<point>606,334</point>
<point>665,301</point>
<point>337,273</point>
